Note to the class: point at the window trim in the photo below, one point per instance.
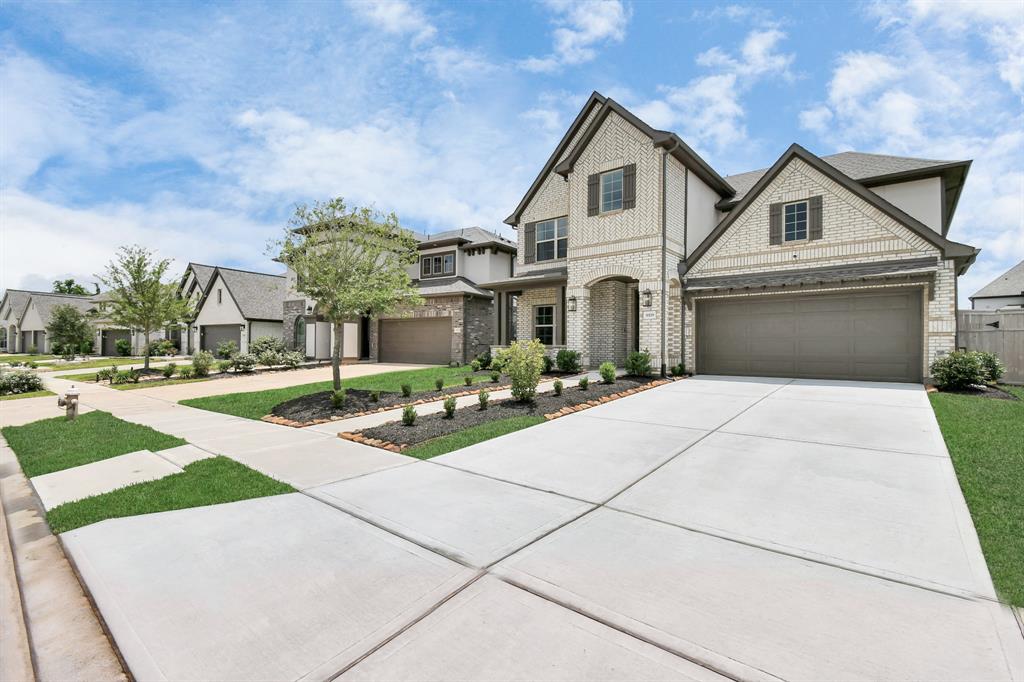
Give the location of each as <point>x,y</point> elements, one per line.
<point>220,295</point>
<point>553,325</point>
<point>554,240</point>
<point>429,258</point>
<point>601,210</point>
<point>807,221</point>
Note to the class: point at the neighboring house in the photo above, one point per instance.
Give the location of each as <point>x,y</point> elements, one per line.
<point>37,315</point>
<point>12,307</point>
<point>239,306</point>
<point>194,283</point>
<point>455,324</point>
<point>1006,291</point>
<point>835,267</point>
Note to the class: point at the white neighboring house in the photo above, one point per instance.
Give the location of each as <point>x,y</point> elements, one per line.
<point>1006,291</point>
<point>194,282</point>
<point>12,307</point>
<point>239,306</point>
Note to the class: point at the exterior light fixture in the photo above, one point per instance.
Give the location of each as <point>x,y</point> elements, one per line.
<point>572,304</point>
<point>648,297</point>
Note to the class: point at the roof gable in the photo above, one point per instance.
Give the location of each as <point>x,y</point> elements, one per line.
<point>1010,283</point>
<point>257,295</point>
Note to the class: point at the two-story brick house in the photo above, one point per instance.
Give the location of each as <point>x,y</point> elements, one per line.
<point>835,267</point>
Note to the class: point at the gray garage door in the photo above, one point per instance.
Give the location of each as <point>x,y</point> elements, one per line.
<point>426,340</point>
<point>213,334</point>
<point>110,339</point>
<point>870,336</point>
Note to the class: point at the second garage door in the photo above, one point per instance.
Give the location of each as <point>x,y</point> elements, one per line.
<point>425,340</point>
<point>869,336</point>
<point>211,335</point>
<point>110,339</point>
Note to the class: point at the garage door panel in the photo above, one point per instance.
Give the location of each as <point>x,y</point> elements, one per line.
<point>424,340</point>
<point>863,335</point>
<point>212,335</point>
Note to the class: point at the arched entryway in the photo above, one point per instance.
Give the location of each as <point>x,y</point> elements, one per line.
<point>614,318</point>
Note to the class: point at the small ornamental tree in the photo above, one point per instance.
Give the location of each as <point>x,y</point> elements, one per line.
<point>351,262</point>
<point>69,330</point>
<point>139,296</point>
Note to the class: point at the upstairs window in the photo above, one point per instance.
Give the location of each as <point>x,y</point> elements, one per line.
<point>552,239</point>
<point>438,265</point>
<point>795,216</point>
<point>611,191</point>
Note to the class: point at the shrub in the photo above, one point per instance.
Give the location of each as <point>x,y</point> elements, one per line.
<point>449,407</point>
<point>224,365</point>
<point>124,347</point>
<point>268,358</point>
<point>607,372</point>
<point>584,383</point>
<point>558,387</point>
<point>568,360</point>
<point>126,376</point>
<point>32,364</point>
<point>266,344</point>
<point>498,361</point>
<point>339,398</point>
<point>678,370</point>
<point>106,374</point>
<point>13,383</point>
<point>475,365</point>
<point>495,377</point>
<point>292,359</point>
<point>201,362</point>
<point>638,363</point>
<point>990,364</point>
<point>85,348</point>
<point>32,350</point>
<point>409,415</point>
<point>162,347</point>
<point>187,372</point>
<point>244,362</point>
<point>439,383</point>
<point>468,380</point>
<point>546,364</point>
<point>483,397</point>
<point>374,396</point>
<point>406,390</point>
<point>169,370</point>
<point>225,349</point>
<point>959,369</point>
<point>523,362</point>
<point>484,359</point>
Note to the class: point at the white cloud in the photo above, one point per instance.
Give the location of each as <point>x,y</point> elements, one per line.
<point>396,17</point>
<point>581,27</point>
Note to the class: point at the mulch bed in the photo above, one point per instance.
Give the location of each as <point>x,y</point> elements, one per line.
<point>396,436</point>
<point>981,392</point>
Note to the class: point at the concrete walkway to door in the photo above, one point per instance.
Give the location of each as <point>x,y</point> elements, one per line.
<point>752,528</point>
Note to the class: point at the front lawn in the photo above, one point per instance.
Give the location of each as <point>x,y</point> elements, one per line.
<point>22,357</point>
<point>31,394</point>
<point>123,363</point>
<point>985,438</point>
<point>471,436</point>
<point>157,383</point>
<point>54,444</point>
<point>208,481</point>
<point>257,404</point>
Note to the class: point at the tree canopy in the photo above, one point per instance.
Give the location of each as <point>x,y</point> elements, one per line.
<point>70,286</point>
<point>69,330</point>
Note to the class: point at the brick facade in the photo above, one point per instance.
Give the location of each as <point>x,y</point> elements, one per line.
<point>293,310</point>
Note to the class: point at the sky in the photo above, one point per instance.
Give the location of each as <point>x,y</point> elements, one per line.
<point>196,128</point>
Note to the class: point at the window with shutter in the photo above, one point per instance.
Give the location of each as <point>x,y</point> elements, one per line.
<point>530,242</point>
<point>629,186</point>
<point>775,224</point>
<point>593,194</point>
<point>814,216</point>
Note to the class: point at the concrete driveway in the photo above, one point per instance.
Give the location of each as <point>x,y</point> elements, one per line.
<point>746,528</point>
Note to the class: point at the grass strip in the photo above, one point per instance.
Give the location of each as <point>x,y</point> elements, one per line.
<point>471,436</point>
<point>208,481</point>
<point>49,445</point>
<point>985,438</point>
<point>30,394</point>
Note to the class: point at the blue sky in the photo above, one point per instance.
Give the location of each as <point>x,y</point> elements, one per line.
<point>195,128</point>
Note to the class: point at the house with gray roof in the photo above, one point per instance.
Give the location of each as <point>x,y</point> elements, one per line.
<point>236,305</point>
<point>1005,291</point>
<point>836,266</point>
<point>12,307</point>
<point>37,314</point>
<point>454,325</point>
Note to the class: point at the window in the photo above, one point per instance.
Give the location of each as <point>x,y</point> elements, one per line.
<point>299,338</point>
<point>796,221</point>
<point>219,298</point>
<point>611,191</point>
<point>437,265</point>
<point>552,239</point>
<point>544,324</point>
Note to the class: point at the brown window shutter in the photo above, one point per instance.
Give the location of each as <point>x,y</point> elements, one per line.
<point>629,186</point>
<point>775,224</point>
<point>593,194</point>
<point>814,228</point>
<point>530,238</point>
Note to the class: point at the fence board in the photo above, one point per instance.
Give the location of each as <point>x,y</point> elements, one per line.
<point>976,332</point>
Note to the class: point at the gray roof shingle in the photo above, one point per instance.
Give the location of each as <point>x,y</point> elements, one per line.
<point>203,274</point>
<point>1010,283</point>
<point>45,303</point>
<point>258,295</point>
<point>18,299</point>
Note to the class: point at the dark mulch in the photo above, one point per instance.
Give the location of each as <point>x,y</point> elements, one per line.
<point>433,425</point>
<point>979,391</point>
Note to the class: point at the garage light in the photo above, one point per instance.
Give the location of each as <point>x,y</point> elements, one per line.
<point>647,298</point>
<point>572,304</point>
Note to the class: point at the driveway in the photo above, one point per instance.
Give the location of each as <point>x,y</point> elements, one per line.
<point>746,528</point>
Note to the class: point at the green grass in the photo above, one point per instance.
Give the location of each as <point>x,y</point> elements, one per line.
<point>54,444</point>
<point>31,394</point>
<point>208,481</point>
<point>124,363</point>
<point>21,357</point>
<point>156,384</point>
<point>985,438</point>
<point>471,436</point>
<point>258,404</point>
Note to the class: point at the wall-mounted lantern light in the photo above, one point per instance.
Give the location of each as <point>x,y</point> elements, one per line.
<point>572,304</point>
<point>647,298</point>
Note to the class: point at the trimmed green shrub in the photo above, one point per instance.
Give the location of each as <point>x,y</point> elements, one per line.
<point>498,361</point>
<point>32,350</point>
<point>268,358</point>
<point>558,387</point>
<point>406,390</point>
<point>162,347</point>
<point>439,383</point>
<point>225,349</point>
<point>244,362</point>
<point>638,363</point>
<point>409,415</point>
<point>607,372</point>
<point>495,377</point>
<point>568,360</point>
<point>14,383</point>
<point>169,370</point>
<point>449,407</point>
<point>266,344</point>
<point>678,370</point>
<point>546,364</point>
<point>187,373</point>
<point>468,380</point>
<point>339,398</point>
<point>201,362</point>
<point>224,365</point>
<point>475,365</point>
<point>483,397</point>
<point>523,362</point>
<point>991,365</point>
<point>292,359</point>
<point>959,369</point>
<point>584,383</point>
<point>374,396</point>
<point>484,359</point>
<point>126,376</point>
<point>106,374</point>
<point>123,347</point>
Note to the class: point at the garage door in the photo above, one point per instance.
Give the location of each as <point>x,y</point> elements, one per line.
<point>426,340</point>
<point>869,336</point>
<point>213,334</point>
<point>110,339</point>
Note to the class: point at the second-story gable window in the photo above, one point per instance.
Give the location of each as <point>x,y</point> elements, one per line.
<point>552,239</point>
<point>611,190</point>
<point>437,265</point>
<point>795,216</point>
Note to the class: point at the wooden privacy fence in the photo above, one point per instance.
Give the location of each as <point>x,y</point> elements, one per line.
<point>996,332</point>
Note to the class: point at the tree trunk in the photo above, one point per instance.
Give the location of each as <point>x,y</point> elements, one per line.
<point>339,329</point>
<point>145,350</point>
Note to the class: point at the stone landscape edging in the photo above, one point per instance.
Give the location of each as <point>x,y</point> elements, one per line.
<point>357,437</point>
